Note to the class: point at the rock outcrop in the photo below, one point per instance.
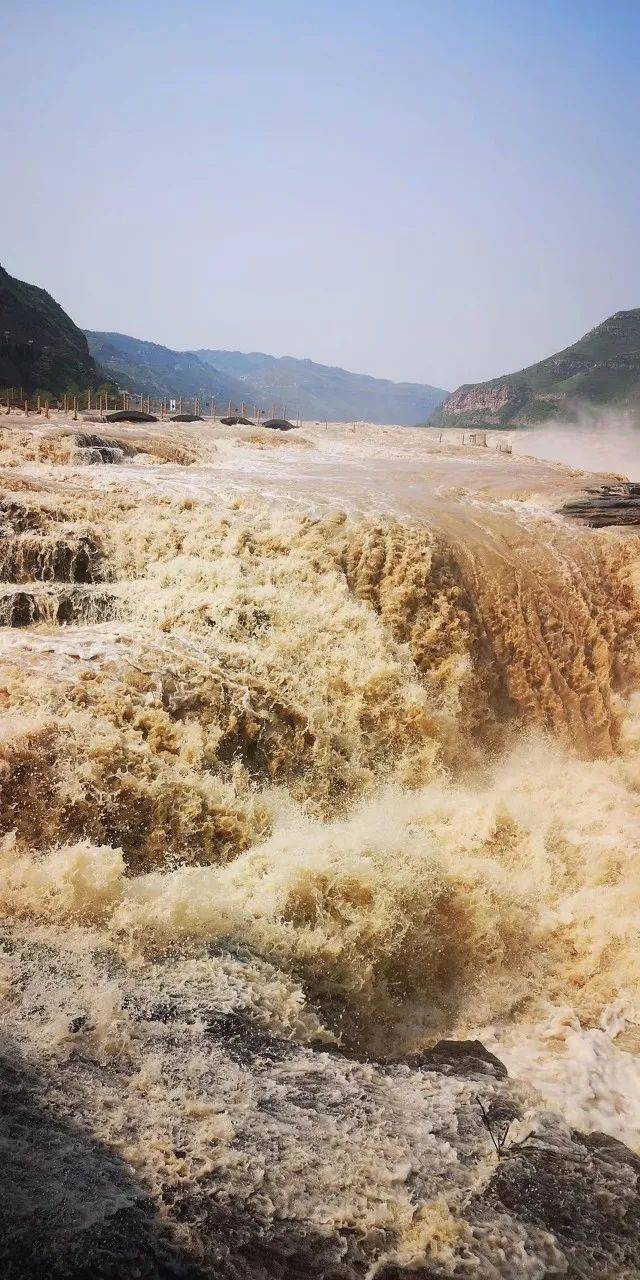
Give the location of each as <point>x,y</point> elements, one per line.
<point>41,349</point>
<point>601,370</point>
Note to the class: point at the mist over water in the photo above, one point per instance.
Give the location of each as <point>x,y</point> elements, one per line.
<point>607,442</point>
<point>293,787</point>
<point>603,442</point>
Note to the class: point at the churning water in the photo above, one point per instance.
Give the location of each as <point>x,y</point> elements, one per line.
<point>315,749</point>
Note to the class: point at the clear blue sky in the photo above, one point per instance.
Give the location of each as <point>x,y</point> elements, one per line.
<point>440,191</point>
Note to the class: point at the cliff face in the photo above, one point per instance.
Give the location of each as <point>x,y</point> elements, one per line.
<point>486,402</point>
<point>602,369</point>
<point>41,349</point>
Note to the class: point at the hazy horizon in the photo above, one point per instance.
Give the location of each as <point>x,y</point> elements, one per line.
<point>411,192</point>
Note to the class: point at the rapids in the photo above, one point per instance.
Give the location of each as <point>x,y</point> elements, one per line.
<point>316,748</point>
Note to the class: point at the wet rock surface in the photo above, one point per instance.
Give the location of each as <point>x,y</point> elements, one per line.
<point>263,1155</point>
<point>69,1207</point>
<point>22,606</point>
<point>460,1057</point>
<point>96,449</point>
<point>61,556</point>
<point>613,504</point>
<point>583,1189</point>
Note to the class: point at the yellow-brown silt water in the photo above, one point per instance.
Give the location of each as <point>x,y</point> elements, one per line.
<point>330,739</point>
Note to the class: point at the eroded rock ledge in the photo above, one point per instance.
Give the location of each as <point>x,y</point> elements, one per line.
<point>612,504</point>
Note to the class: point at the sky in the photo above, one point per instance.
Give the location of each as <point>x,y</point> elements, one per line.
<point>434,191</point>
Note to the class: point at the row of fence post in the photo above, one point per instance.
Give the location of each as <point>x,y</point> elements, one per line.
<point>103,402</point>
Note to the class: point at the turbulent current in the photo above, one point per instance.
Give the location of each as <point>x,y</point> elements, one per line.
<point>317,749</point>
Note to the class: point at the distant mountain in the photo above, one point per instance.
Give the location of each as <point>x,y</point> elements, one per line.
<point>154,370</point>
<point>325,392</point>
<point>601,370</point>
<point>41,349</point>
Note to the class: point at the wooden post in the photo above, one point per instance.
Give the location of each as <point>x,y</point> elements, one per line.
<point>75,408</point>
<point>180,405</point>
<point>242,409</point>
<point>46,408</point>
<point>229,409</point>
<point>89,398</point>
<point>26,408</point>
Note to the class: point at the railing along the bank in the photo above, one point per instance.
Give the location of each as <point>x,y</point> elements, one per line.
<point>104,402</point>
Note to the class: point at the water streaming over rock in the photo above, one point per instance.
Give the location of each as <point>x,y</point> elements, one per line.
<point>292,788</point>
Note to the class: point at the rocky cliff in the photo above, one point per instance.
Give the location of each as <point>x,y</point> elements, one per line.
<point>41,349</point>
<point>601,370</point>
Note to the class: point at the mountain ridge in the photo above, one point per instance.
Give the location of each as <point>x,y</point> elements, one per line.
<point>327,391</point>
<point>300,385</point>
<point>153,369</point>
<point>601,369</point>
<point>41,349</point>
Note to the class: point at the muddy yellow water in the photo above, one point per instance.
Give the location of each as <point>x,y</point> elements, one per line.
<point>357,707</point>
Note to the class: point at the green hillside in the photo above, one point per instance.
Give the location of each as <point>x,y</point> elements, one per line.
<point>602,369</point>
<point>41,349</point>
<point>155,370</point>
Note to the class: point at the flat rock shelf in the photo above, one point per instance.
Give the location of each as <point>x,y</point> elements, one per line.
<point>612,504</point>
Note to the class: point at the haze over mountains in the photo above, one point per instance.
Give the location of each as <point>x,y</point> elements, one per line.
<point>601,370</point>
<point>314,390</point>
<point>325,391</point>
<point>41,349</point>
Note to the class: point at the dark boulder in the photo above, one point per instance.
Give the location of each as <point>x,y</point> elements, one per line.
<point>279,424</point>
<point>460,1058</point>
<point>130,415</point>
<point>584,1190</point>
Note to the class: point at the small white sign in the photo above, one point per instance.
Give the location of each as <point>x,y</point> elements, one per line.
<point>172,406</point>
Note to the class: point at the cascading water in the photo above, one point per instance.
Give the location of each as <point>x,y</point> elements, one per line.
<point>346,761</point>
